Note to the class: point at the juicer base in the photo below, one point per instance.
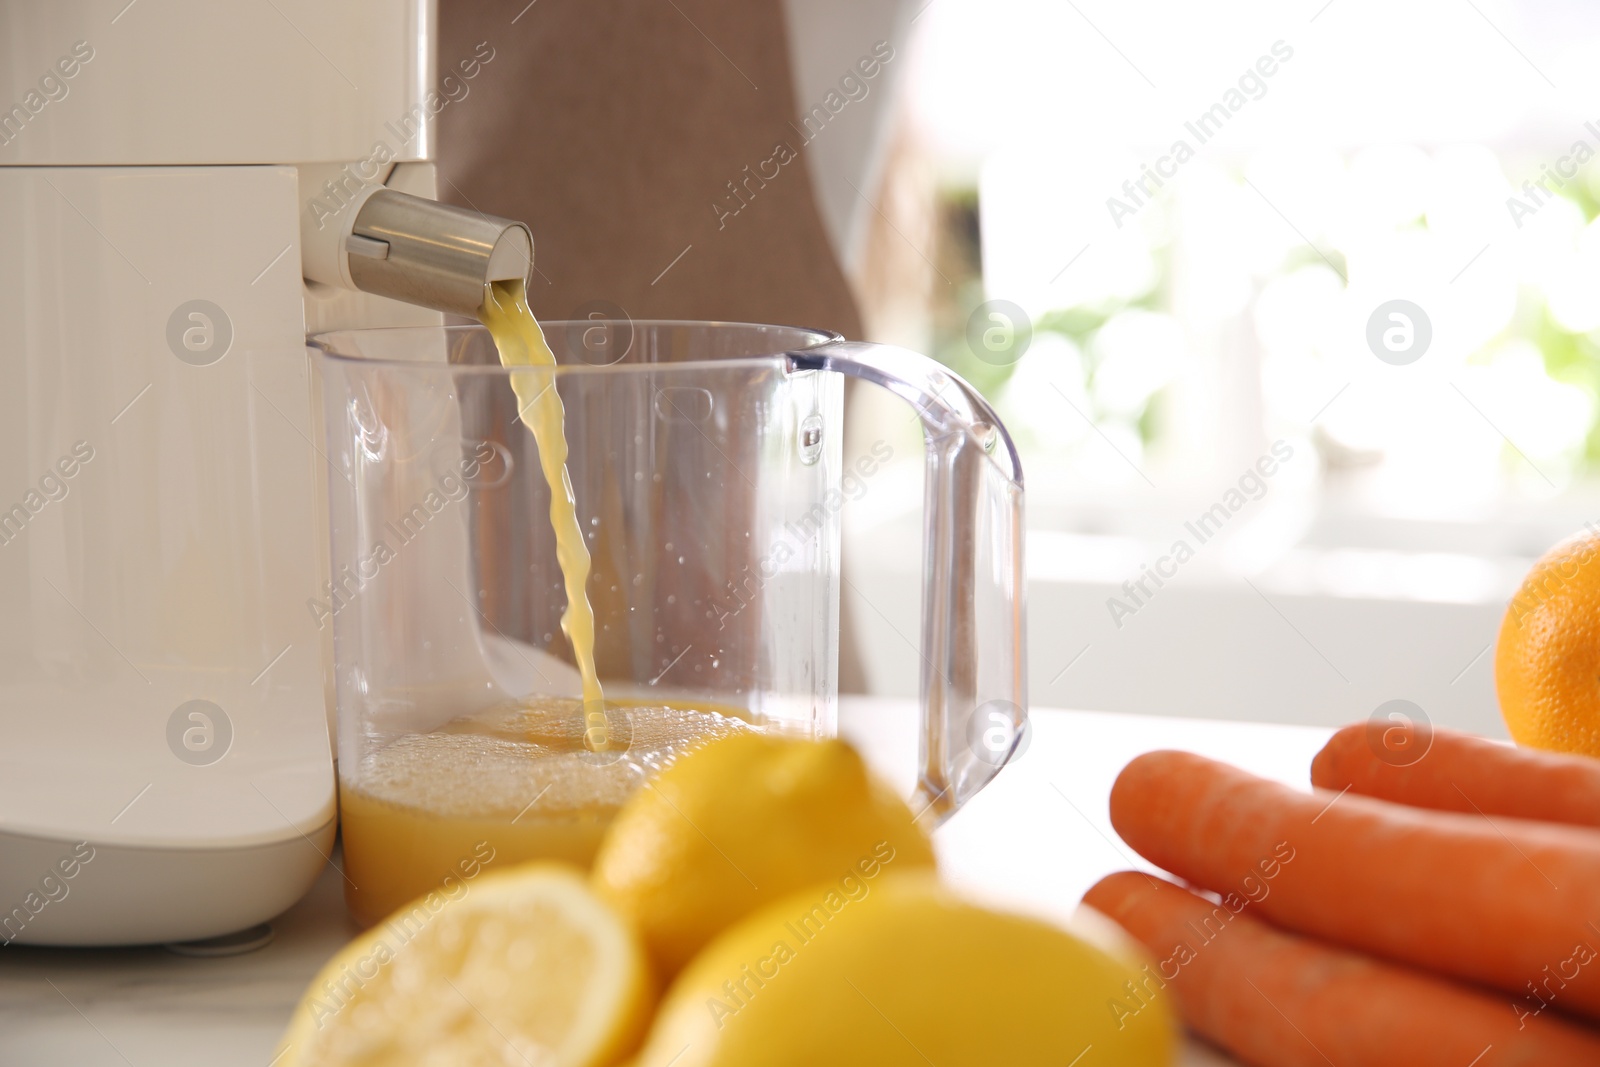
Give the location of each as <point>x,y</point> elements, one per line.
<point>59,892</point>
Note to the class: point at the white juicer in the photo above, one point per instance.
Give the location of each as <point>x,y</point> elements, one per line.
<point>186,189</point>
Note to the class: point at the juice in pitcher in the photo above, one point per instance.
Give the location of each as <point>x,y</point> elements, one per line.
<point>536,778</point>
<point>515,782</point>
<point>708,460</point>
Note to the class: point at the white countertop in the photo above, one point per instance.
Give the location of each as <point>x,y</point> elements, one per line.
<point>1035,839</point>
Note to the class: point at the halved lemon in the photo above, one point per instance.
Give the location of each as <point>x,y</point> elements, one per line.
<point>524,965</point>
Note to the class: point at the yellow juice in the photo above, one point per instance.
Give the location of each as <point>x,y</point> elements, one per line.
<point>537,778</point>
<point>517,777</point>
<point>506,315</point>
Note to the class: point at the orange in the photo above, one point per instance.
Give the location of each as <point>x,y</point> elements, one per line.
<point>1547,660</point>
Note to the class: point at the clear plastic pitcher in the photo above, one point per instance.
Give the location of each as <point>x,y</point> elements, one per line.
<point>706,465</point>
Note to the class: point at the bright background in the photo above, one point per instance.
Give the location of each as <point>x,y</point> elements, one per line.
<point>1230,312</point>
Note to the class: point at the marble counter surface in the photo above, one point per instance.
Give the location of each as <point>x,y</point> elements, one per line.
<point>1034,840</point>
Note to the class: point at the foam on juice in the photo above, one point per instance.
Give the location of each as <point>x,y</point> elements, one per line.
<point>517,775</point>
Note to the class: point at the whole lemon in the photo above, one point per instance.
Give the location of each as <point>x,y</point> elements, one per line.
<point>1547,659</point>
<point>903,973</point>
<point>740,823</point>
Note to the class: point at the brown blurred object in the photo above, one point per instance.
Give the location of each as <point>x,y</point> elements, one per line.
<point>613,128</point>
<point>894,280</point>
<point>897,277</point>
<point>624,135</point>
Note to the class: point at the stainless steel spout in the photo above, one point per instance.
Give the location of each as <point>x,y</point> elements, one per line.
<point>423,252</point>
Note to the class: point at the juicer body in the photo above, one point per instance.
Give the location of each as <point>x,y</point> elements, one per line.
<point>170,174</point>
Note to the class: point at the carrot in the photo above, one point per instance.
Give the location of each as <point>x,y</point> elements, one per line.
<point>1508,903</point>
<point>1274,999</point>
<point>1453,771</point>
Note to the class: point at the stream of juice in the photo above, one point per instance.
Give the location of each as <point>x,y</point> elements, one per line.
<point>516,334</point>
<point>537,778</point>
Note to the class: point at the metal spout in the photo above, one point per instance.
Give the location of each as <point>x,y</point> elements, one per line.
<point>431,254</point>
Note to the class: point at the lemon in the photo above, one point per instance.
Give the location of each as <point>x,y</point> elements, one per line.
<point>524,965</point>
<point>905,973</point>
<point>742,822</point>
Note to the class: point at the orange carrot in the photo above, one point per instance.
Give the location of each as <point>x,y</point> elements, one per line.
<point>1274,999</point>
<point>1453,771</point>
<point>1508,903</point>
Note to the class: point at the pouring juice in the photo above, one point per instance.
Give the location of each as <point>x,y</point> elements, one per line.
<point>536,778</point>
<point>709,462</point>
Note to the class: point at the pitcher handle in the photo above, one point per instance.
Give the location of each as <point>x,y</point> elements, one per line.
<point>974,677</point>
